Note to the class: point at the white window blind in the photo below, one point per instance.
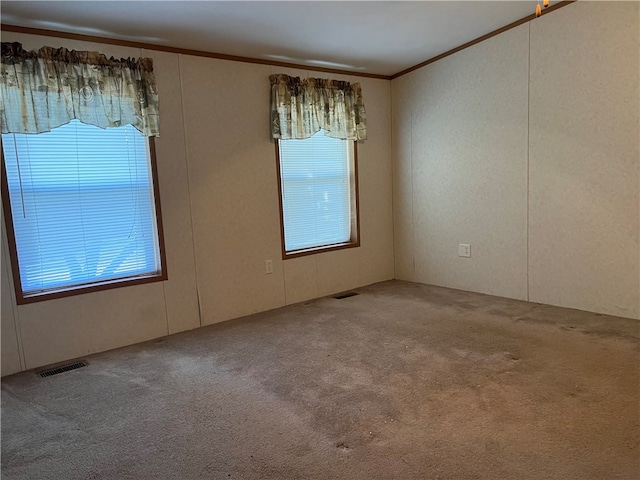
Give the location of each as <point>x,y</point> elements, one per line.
<point>82,206</point>
<point>316,197</point>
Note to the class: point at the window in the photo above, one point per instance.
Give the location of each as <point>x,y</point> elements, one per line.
<point>318,194</point>
<point>81,210</point>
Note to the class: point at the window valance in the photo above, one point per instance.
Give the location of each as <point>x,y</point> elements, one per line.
<point>44,89</point>
<point>302,107</point>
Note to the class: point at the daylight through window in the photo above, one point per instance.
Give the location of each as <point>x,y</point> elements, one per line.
<point>82,209</point>
<point>318,182</point>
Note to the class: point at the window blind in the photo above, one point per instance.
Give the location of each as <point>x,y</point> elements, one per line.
<point>82,206</point>
<point>315,191</point>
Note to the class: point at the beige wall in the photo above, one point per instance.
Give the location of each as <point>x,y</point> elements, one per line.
<point>526,147</point>
<point>220,212</point>
<point>460,135</point>
<point>583,162</point>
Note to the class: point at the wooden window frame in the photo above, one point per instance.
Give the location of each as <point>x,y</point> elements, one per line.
<point>22,299</point>
<point>355,219</point>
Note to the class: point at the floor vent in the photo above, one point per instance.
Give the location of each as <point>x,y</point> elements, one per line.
<point>340,296</point>
<point>63,368</point>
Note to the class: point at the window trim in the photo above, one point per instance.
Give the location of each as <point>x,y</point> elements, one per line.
<point>355,223</point>
<point>22,299</point>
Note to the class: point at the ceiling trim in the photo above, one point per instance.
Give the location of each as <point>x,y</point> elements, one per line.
<point>184,51</point>
<point>222,56</point>
<point>517,23</point>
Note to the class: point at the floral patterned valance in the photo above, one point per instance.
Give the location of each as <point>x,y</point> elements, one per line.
<point>41,90</point>
<point>301,107</point>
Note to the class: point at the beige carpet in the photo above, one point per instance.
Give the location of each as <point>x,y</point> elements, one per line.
<point>403,381</point>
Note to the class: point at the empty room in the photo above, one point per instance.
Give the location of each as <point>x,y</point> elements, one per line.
<point>320,240</point>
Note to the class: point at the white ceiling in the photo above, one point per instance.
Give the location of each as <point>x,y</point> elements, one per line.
<point>379,37</point>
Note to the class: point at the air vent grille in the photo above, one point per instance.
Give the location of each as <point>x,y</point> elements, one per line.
<point>63,368</point>
<point>340,296</point>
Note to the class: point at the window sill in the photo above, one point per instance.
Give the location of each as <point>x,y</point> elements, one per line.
<point>41,296</point>
<point>322,249</point>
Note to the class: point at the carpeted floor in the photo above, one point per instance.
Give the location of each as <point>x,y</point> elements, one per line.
<point>403,381</point>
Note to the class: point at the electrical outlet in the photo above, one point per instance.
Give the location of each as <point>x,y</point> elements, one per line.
<point>268,266</point>
<point>464,250</point>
